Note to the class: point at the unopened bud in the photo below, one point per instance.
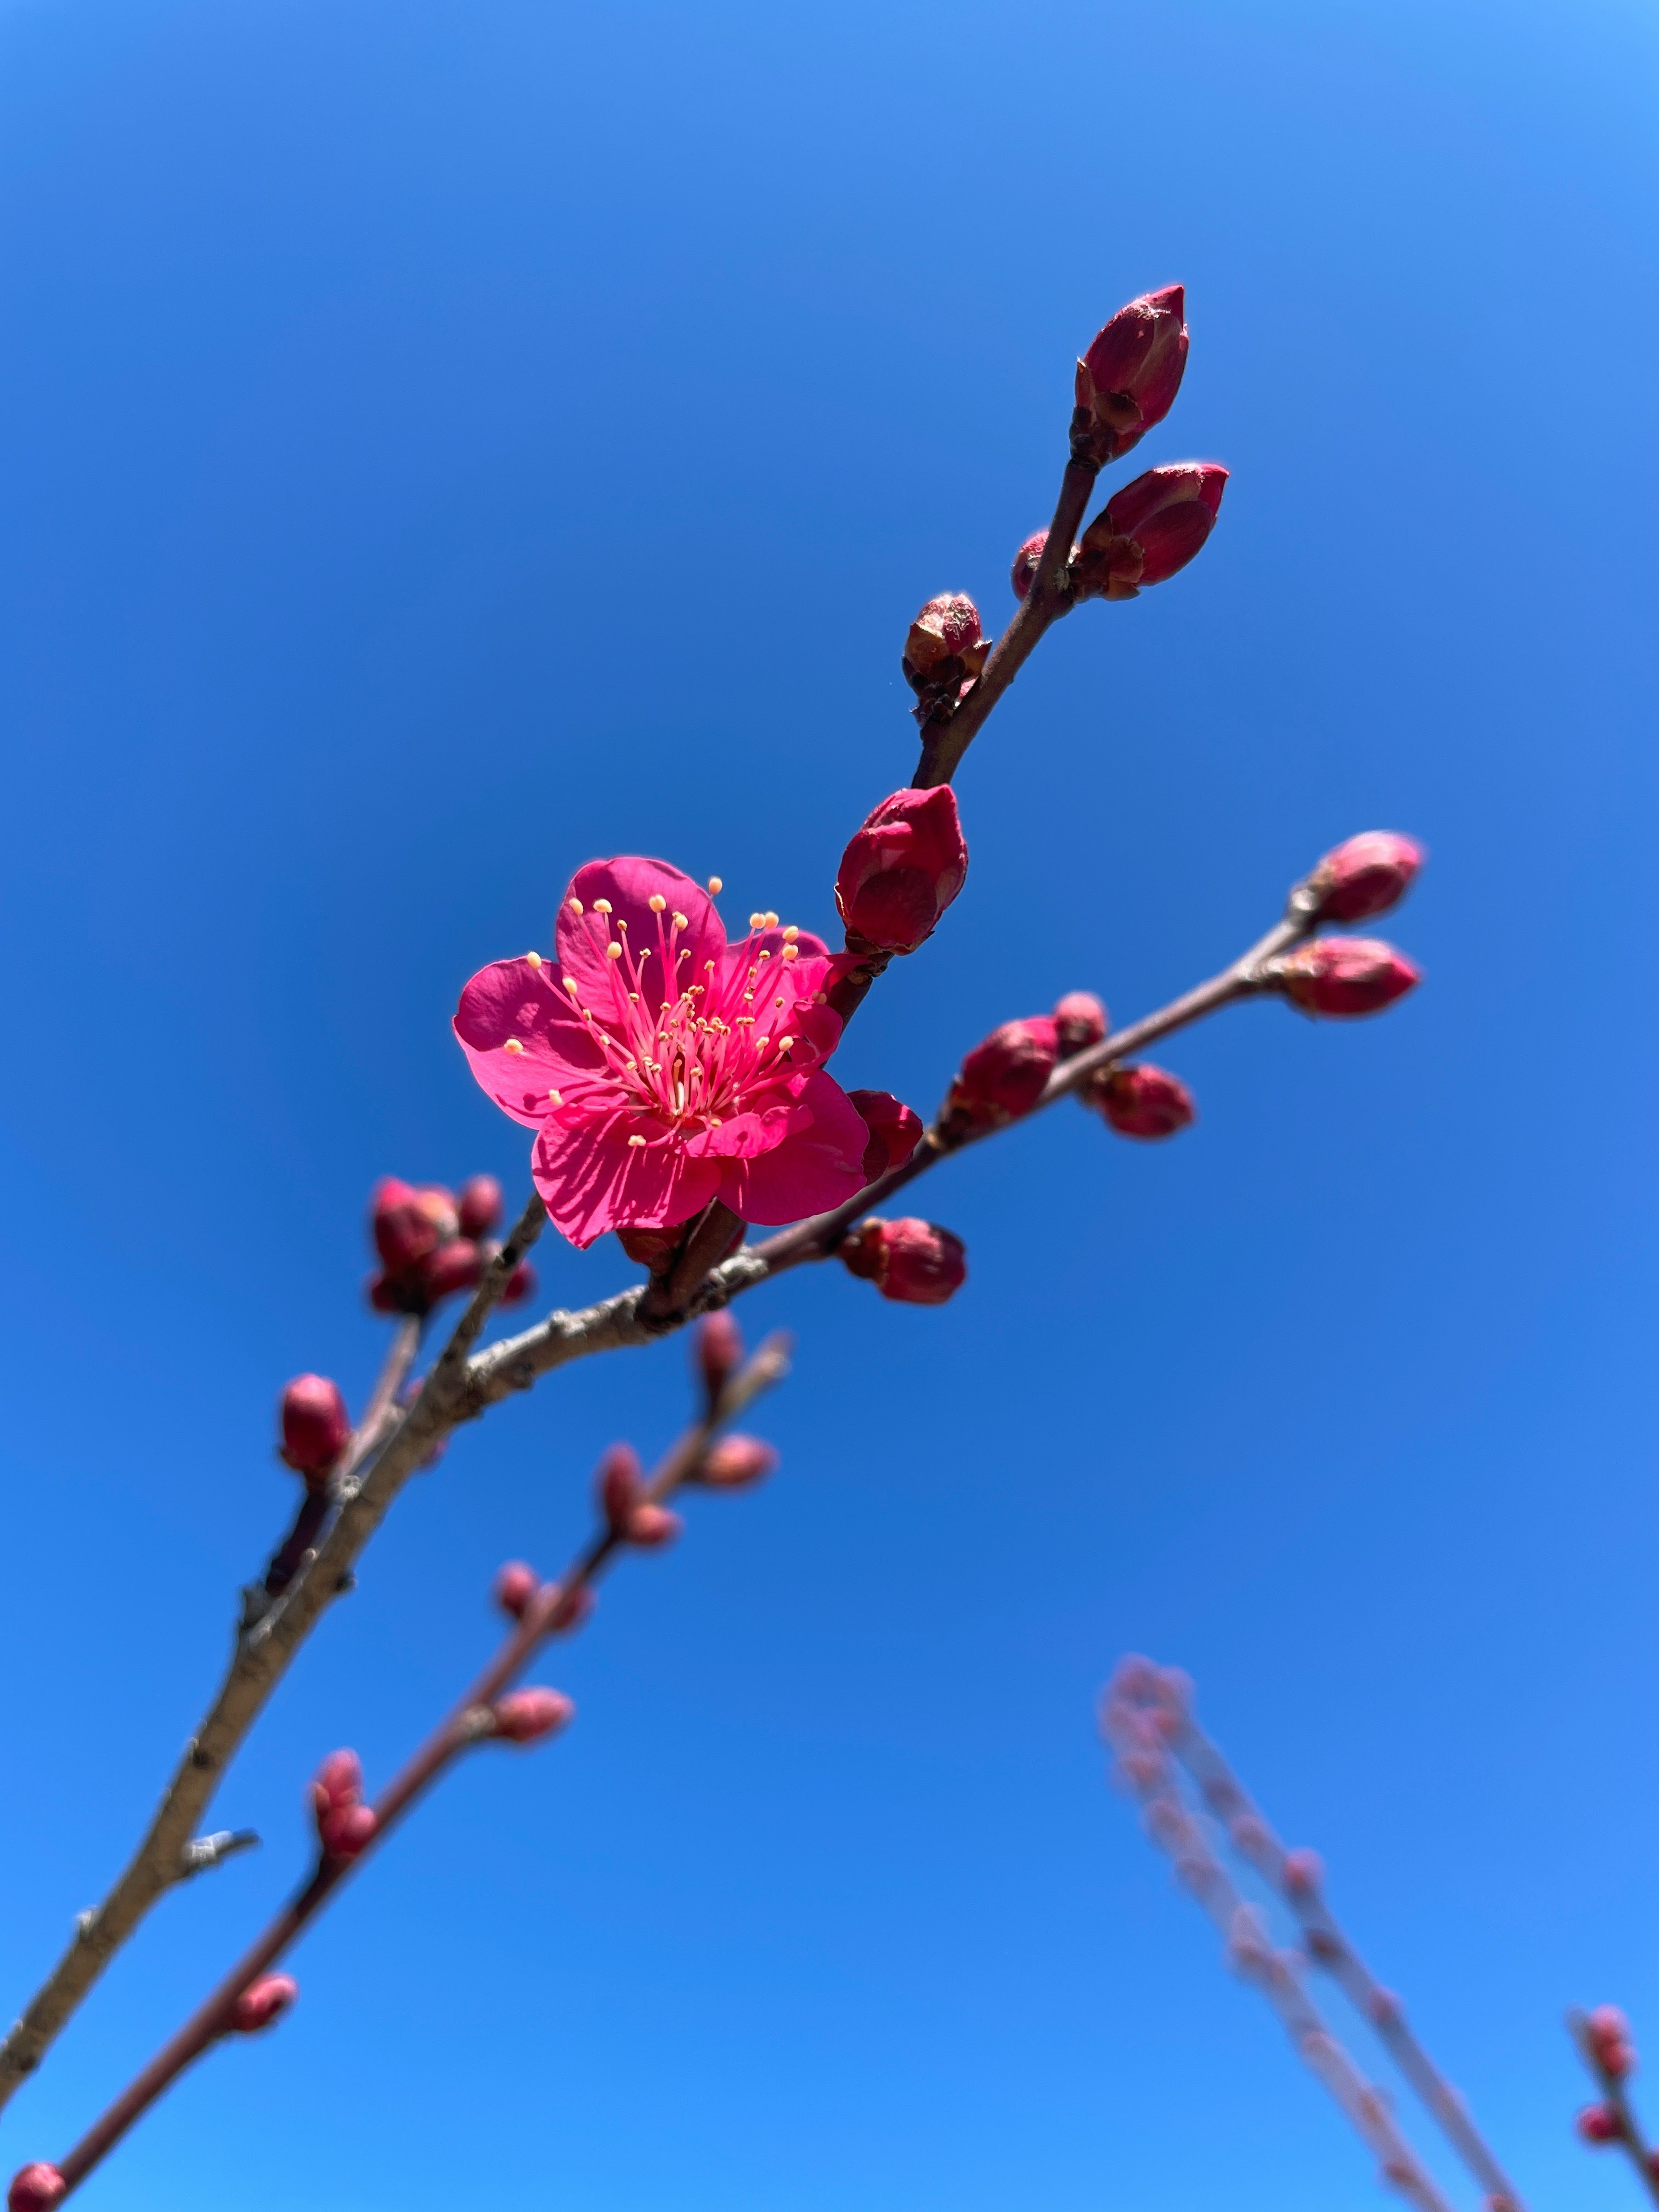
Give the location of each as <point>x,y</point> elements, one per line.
<point>514,1586</point>
<point>1344,977</point>
<point>735,1461</point>
<point>1004,1076</point>
<point>263,2003</point>
<point>1599,2124</point>
<point>650,1526</point>
<point>894,1130</point>
<point>478,1206</point>
<point>618,1485</point>
<point>902,870</point>
<point>651,1248</point>
<point>913,1262</point>
<point>1129,377</point>
<point>1149,530</point>
<point>1365,876</point>
<point>531,1715</point>
<point>944,653</point>
<point>1080,1021</point>
<point>717,1347</point>
<point>1304,1873</point>
<point>339,1781</point>
<point>519,1285</point>
<point>437,1201</point>
<point>316,1427</point>
<point>1023,574</point>
<point>402,1226</point>
<point>348,1830</point>
<point>36,2188</point>
<point>1610,2041</point>
<point>1142,1100</point>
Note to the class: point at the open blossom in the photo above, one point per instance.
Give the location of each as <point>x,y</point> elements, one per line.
<point>662,1068</point>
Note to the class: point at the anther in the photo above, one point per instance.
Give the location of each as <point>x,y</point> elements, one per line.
<point>636,1141</point>
<point>575,906</point>
<point>716,886</point>
<point>601,906</point>
<point>512,1045</point>
<point>613,951</point>
<point>555,1096</point>
<point>770,919</point>
<point>757,921</point>
<point>680,922</point>
<point>784,1044</point>
<point>571,985</point>
<point>777,1002</point>
<point>792,952</point>
<point>657,902</point>
<point>792,932</point>
<point>534,959</point>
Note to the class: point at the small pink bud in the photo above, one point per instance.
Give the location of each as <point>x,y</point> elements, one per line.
<point>1384,2009</point>
<point>1304,1873</point>
<point>530,1716</point>
<point>437,1201</point>
<point>944,653</point>
<point>717,1347</point>
<point>1149,530</point>
<point>1080,1021</point>
<point>316,1427</point>
<point>1610,2041</point>
<point>515,1585</point>
<point>1142,1100</point>
<point>1599,2124</point>
<point>263,2003</point>
<point>36,2188</point>
<point>894,1130</point>
<point>1344,976</point>
<point>1129,377</point>
<point>1324,1944</point>
<point>478,1206</point>
<point>651,1248</point>
<point>519,1285</point>
<point>618,1485</point>
<point>347,1830</point>
<point>1004,1075</point>
<point>913,1262</point>
<point>571,1609</point>
<point>735,1461</point>
<point>339,1781</point>
<point>1023,573</point>
<point>456,1265</point>
<point>902,870</point>
<point>1365,876</point>
<point>402,1227</point>
<point>650,1526</point>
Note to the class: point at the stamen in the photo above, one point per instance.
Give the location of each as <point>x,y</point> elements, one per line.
<point>770,919</point>
<point>572,985</point>
<point>757,921</point>
<point>601,906</point>
<point>790,934</point>
<point>512,1045</point>
<point>777,1002</point>
<point>716,886</point>
<point>680,922</point>
<point>764,954</point>
<point>613,951</point>
<point>555,1096</point>
<point>576,906</point>
<point>657,902</point>
<point>784,1044</point>
<point>792,952</point>
<point>534,959</point>
<point>636,1141</point>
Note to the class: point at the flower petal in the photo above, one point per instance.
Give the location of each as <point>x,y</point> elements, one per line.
<point>512,999</point>
<point>591,1179</point>
<point>659,960</point>
<point>820,1163</point>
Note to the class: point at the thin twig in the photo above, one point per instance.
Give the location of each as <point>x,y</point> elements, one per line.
<point>1616,2096</point>
<point>470,1722</point>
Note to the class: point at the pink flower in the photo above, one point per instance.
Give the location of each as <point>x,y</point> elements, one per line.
<point>316,1427</point>
<point>262,2004</point>
<point>661,1068</point>
<point>514,1586</point>
<point>902,870</point>
<point>1148,530</point>
<point>478,1206</point>
<point>1129,377</point>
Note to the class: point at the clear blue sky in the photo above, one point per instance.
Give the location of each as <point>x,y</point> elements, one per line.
<point>445,442</point>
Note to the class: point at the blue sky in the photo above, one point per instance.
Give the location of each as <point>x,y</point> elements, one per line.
<point>447,442</point>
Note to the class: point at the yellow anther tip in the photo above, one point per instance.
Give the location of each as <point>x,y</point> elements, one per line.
<point>534,959</point>
<point>636,1141</point>
<point>716,886</point>
<point>792,952</point>
<point>601,906</point>
<point>680,922</point>
<point>576,906</point>
<point>512,1045</point>
<point>792,932</point>
<point>613,951</point>
<point>770,919</point>
<point>657,902</point>
<point>555,1096</point>
<point>757,921</point>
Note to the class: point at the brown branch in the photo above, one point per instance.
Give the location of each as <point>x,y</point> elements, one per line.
<point>945,741</point>
<point>471,1721</point>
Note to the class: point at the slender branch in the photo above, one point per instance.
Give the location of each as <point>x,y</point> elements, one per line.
<point>471,1721</point>
<point>1616,2094</point>
<point>263,1651</point>
<point>945,741</point>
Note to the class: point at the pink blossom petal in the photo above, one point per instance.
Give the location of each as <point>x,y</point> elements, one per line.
<point>591,1179</point>
<point>745,1135</point>
<point>819,1164</point>
<point>630,884</point>
<point>512,999</point>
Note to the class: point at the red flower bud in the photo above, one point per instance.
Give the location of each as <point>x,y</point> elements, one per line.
<point>437,1201</point>
<point>1023,575</point>
<point>944,653</point>
<point>530,1716</point>
<point>1142,1100</point>
<point>347,1830</point>
<point>717,1347</point>
<point>36,2188</point>
<point>1365,876</point>
<point>1004,1076</point>
<point>456,1265</point>
<point>1080,1021</point>
<point>1149,530</point>
<point>339,1781</point>
<point>902,870</point>
<point>1344,975</point>
<point>403,1225</point>
<point>1599,2124</point>
<point>913,1262</point>
<point>650,1526</point>
<point>1610,2041</point>
<point>1304,1873</point>
<point>894,1130</point>
<point>478,1206</point>
<point>618,1485</point>
<point>736,1462</point>
<point>316,1427</point>
<point>263,2003</point>
<point>514,1586</point>
<point>651,1248</point>
<point>1129,377</point>
<point>519,1285</point>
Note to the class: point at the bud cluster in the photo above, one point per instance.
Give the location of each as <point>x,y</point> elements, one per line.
<point>944,655</point>
<point>1006,1073</point>
<point>434,1242</point>
<point>345,1825</point>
